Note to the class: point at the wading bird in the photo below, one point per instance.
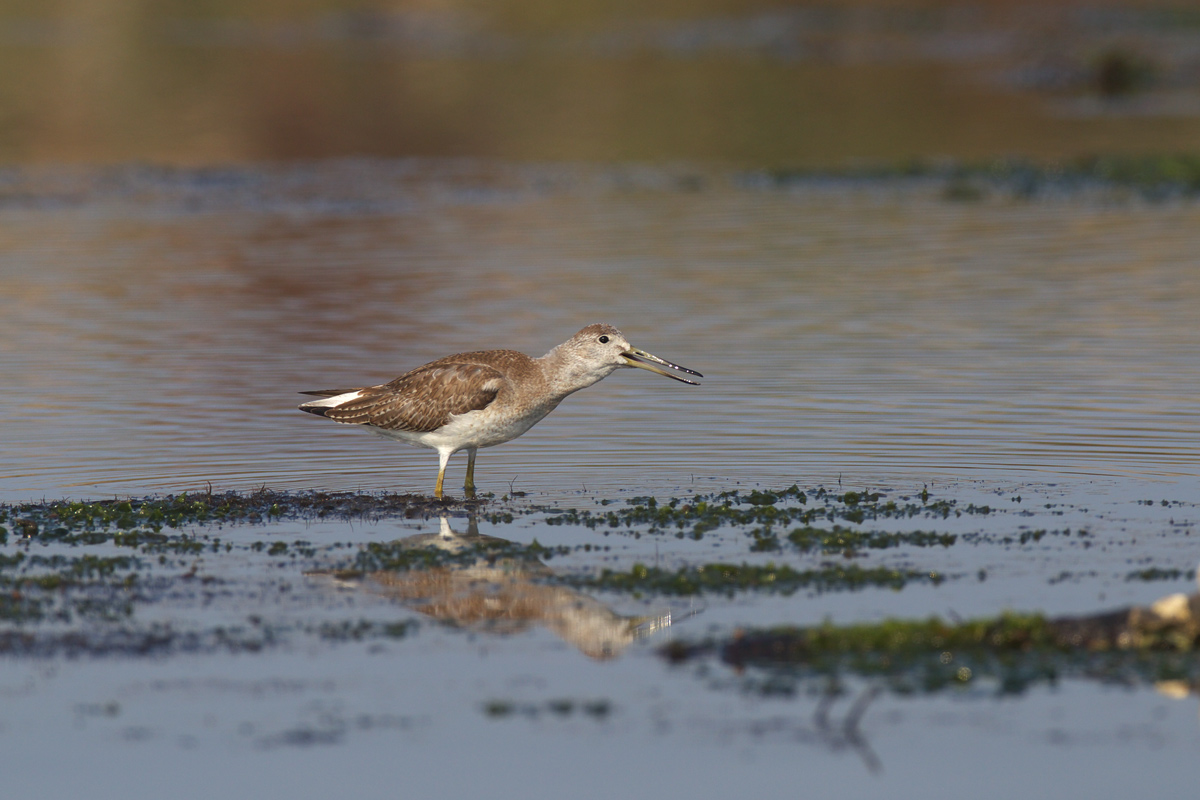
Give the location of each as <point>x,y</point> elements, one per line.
<point>482,399</point>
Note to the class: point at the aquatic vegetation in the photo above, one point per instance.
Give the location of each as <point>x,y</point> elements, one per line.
<point>1157,574</point>
<point>34,586</point>
<point>362,629</point>
<point>400,556</point>
<point>729,579</point>
<point>1006,654</point>
<point>891,637</point>
<point>597,710</point>
<point>705,512</point>
<point>846,540</point>
<point>73,522</point>
<point>167,536</point>
<point>140,522</point>
<point>74,575</point>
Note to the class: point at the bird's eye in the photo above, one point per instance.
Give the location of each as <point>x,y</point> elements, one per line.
<point>603,340</point>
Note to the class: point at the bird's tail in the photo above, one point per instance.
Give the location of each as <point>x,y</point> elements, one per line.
<point>331,398</point>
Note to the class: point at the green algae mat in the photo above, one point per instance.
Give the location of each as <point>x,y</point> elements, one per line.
<point>141,576</point>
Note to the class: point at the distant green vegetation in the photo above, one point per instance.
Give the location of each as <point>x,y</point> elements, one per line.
<point>1153,177</point>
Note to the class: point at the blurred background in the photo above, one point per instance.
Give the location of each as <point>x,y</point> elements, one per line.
<point>741,82</point>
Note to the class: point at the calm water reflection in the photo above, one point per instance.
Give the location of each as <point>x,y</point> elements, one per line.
<point>155,326</point>
<point>499,594</point>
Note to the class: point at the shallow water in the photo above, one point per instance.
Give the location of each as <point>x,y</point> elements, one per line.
<point>157,326</point>
<point>1035,355</point>
<point>283,726</point>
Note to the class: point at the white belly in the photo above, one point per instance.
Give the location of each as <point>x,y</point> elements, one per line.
<point>485,428</point>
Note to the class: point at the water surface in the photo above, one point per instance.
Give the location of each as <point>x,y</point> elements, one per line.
<point>158,324</point>
<point>1034,355</point>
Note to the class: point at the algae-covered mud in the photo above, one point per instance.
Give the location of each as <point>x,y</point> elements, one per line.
<point>797,623</point>
<point>89,577</point>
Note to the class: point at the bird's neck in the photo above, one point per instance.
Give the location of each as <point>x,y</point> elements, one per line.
<point>565,374</point>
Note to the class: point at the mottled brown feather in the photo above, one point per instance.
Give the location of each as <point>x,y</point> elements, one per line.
<point>425,398</point>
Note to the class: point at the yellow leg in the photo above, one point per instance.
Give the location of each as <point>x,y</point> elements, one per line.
<point>469,486</point>
<point>443,459</point>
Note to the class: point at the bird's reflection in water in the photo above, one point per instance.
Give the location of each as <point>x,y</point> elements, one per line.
<point>507,594</point>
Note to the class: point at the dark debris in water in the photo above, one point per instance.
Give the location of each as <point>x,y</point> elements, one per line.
<point>1007,654</point>
<point>597,709</point>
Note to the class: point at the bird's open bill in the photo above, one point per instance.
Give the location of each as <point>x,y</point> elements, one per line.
<point>644,360</point>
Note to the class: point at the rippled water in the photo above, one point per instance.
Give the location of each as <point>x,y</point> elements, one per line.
<point>155,326</point>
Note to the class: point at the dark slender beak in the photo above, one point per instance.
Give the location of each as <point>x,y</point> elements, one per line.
<point>643,360</point>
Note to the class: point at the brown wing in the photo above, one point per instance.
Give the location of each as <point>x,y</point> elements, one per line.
<point>424,399</point>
